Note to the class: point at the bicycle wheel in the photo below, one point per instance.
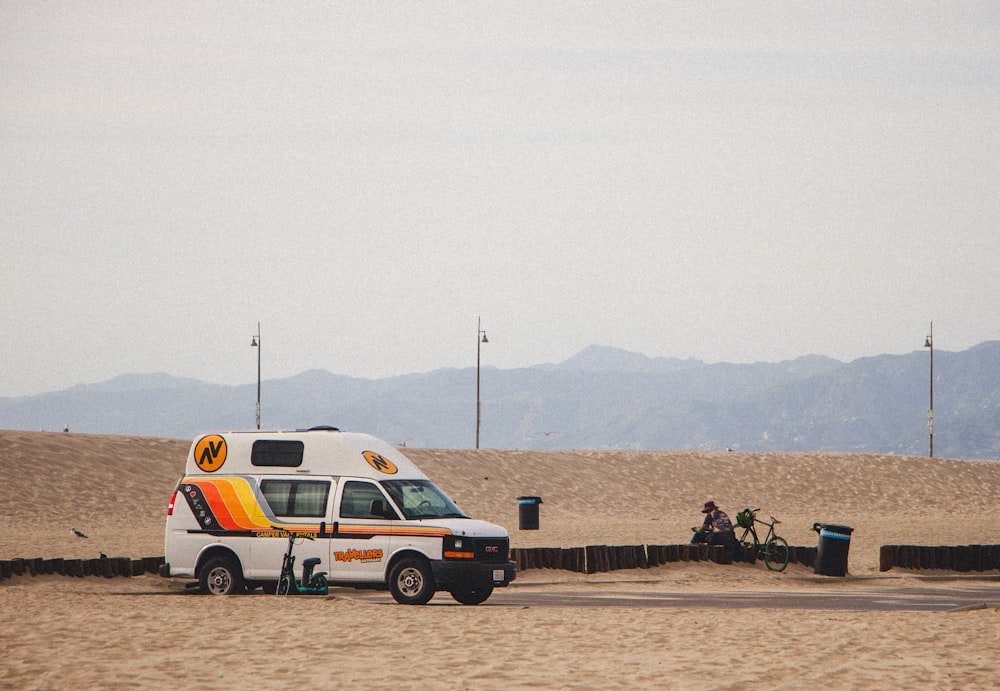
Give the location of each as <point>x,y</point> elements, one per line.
<point>750,544</point>
<point>776,553</point>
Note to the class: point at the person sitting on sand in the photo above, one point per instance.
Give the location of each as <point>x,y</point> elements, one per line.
<point>717,529</point>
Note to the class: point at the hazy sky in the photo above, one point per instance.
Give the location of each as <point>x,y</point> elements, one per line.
<point>727,181</point>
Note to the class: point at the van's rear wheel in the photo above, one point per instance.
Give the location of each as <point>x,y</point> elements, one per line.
<point>472,594</point>
<point>221,576</point>
<point>411,582</point>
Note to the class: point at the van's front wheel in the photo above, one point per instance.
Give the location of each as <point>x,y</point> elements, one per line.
<point>411,582</point>
<point>472,594</point>
<point>221,576</point>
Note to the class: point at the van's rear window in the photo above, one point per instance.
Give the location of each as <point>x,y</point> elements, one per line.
<point>284,454</point>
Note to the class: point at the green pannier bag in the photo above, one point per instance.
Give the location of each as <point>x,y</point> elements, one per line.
<point>744,518</point>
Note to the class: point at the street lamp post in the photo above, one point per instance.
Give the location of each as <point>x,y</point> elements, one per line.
<point>255,343</point>
<point>480,339</point>
<point>929,343</point>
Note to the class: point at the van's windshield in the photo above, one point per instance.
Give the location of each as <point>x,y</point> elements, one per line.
<point>421,499</point>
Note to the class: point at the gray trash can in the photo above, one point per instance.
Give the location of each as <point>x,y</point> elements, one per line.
<point>831,553</point>
<point>528,512</point>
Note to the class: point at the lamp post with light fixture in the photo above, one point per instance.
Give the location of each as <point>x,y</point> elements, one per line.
<point>929,343</point>
<point>480,339</point>
<point>255,343</point>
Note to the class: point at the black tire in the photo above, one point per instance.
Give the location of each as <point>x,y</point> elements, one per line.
<point>284,586</point>
<point>411,582</point>
<point>776,553</point>
<point>472,594</point>
<point>221,576</point>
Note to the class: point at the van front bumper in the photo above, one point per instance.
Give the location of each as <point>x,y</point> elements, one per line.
<point>449,573</point>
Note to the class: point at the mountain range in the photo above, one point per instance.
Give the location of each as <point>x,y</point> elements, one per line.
<point>601,398</point>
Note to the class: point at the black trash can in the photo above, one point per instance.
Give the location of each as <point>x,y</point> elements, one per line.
<point>831,554</point>
<point>528,512</point>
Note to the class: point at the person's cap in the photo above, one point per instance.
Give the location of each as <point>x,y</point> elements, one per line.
<point>709,507</point>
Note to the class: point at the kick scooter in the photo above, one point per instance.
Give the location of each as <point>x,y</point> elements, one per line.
<point>311,583</point>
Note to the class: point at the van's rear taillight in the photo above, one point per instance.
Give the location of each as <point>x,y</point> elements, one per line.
<point>170,507</point>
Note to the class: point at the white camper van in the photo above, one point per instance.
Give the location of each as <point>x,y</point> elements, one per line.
<point>374,518</point>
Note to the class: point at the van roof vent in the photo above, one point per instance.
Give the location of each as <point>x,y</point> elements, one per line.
<point>320,428</point>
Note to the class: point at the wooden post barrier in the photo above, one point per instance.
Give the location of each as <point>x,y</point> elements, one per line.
<point>17,565</point>
<point>963,559</point>
<point>630,557</point>
<point>603,558</point>
<point>960,558</point>
<point>720,554</point>
<point>993,558</point>
<point>886,557</point>
<point>810,557</point>
<point>604,555</point>
<point>626,557</point>
<point>579,559</point>
<point>541,557</point>
<point>942,558</point>
<point>524,559</point>
<point>978,557</point>
<point>547,557</point>
<point>558,559</point>
<point>613,553</point>
<point>553,558</point>
<point>530,558</point>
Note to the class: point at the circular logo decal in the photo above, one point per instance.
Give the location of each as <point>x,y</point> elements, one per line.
<point>379,462</point>
<point>210,453</point>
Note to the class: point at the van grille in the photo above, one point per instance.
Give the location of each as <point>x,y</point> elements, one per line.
<point>492,550</point>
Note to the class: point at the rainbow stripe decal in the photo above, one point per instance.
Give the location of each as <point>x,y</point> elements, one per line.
<point>233,506</point>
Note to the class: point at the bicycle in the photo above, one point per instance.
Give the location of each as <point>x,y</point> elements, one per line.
<point>772,549</point>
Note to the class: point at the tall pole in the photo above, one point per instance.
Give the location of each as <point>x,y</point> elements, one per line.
<point>480,339</point>
<point>255,343</point>
<point>930,411</point>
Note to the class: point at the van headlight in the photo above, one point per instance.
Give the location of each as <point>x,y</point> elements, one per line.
<point>457,547</point>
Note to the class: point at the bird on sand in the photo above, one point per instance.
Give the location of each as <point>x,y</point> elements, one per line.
<point>74,531</point>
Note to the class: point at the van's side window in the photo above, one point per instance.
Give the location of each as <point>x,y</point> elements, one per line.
<point>277,453</point>
<point>296,497</point>
<point>357,499</point>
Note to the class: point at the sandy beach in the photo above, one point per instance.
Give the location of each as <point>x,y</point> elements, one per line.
<point>144,632</point>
